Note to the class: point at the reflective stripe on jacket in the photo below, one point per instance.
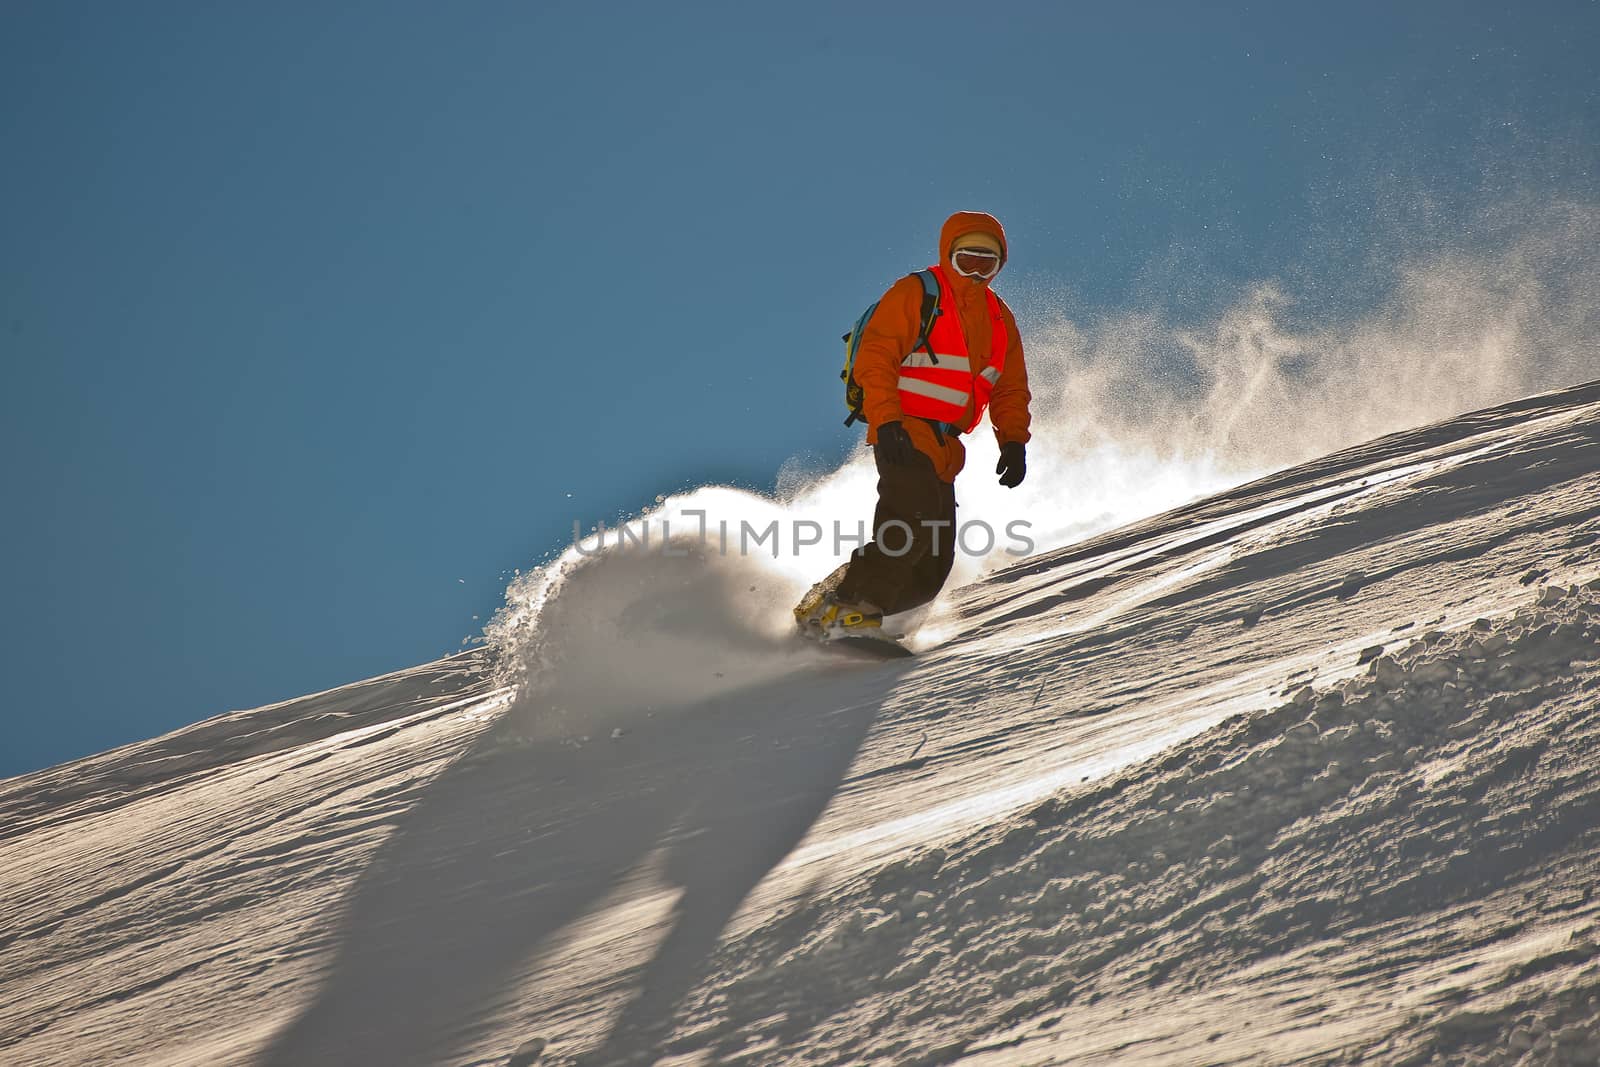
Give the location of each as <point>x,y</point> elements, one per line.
<point>941,385</point>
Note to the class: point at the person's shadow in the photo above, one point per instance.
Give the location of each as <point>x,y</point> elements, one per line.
<point>513,844</point>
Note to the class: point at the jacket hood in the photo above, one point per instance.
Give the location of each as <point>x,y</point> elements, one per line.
<point>964,222</point>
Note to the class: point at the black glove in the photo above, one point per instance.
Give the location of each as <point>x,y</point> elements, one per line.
<point>1013,465</point>
<point>894,445</point>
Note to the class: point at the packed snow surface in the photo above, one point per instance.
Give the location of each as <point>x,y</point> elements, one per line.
<point>1304,772</point>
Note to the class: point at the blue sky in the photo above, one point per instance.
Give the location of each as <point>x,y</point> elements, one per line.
<point>313,316</point>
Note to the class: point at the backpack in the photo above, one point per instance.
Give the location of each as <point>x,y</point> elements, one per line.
<point>853,395</point>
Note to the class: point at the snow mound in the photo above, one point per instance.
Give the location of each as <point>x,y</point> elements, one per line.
<point>1418,807</point>
<point>620,628</point>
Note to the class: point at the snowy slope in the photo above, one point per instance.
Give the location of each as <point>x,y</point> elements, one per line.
<point>1304,772</point>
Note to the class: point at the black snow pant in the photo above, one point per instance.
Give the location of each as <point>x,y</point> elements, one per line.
<point>914,540</point>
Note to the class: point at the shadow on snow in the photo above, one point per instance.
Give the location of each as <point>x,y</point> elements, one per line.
<point>513,844</point>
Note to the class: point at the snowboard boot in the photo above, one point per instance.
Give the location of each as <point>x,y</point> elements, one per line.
<point>817,593</point>
<point>824,616</point>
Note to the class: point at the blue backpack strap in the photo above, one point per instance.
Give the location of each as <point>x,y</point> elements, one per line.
<point>930,311</point>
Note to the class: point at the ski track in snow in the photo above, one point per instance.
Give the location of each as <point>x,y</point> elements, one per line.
<point>1304,772</point>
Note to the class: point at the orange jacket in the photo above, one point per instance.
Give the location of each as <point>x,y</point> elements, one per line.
<point>892,330</point>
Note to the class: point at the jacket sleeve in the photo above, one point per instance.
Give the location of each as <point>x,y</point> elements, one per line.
<point>1008,403</point>
<point>886,341</point>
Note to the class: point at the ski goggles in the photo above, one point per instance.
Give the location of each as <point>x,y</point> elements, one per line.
<point>975,262</point>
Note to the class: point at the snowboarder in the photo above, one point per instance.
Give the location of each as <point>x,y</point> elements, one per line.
<point>917,404</point>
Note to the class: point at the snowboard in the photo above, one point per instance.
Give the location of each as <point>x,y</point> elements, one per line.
<point>866,647</point>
